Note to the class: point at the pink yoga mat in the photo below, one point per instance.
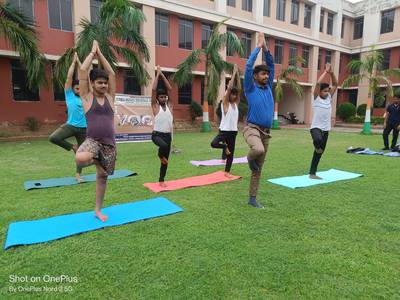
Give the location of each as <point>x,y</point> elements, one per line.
<point>217,162</point>
<point>183,183</point>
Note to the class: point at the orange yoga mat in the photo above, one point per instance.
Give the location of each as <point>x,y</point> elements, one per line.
<point>183,183</point>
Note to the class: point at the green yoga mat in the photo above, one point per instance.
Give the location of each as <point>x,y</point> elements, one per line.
<point>55,182</point>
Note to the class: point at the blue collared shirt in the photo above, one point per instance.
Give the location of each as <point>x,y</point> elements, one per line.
<point>260,99</point>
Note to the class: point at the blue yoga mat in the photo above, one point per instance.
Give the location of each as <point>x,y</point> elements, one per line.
<point>331,175</point>
<point>53,228</point>
<point>55,182</point>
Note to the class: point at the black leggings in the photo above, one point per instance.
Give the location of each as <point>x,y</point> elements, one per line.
<point>163,141</point>
<point>386,132</point>
<point>320,138</point>
<point>226,139</point>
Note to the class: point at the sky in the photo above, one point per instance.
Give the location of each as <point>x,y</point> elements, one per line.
<point>354,1</point>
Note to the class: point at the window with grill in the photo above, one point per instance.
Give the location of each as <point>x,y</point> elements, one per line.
<point>162,30</point>
<point>185,34</point>
<point>387,21</point>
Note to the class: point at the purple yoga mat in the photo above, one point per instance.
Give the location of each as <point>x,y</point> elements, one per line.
<point>217,162</point>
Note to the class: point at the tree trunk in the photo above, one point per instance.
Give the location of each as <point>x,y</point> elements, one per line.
<point>367,120</point>
<point>275,124</point>
<point>206,123</point>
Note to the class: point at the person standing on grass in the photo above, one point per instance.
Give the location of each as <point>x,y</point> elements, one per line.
<point>321,121</point>
<point>258,83</point>
<point>163,122</point>
<point>76,122</point>
<point>98,103</point>
<point>228,128</point>
<point>392,122</point>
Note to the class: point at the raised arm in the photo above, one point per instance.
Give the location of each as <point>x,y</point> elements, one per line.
<point>334,82</point>
<point>230,85</point>
<point>70,74</point>
<point>248,73</point>
<point>321,79</point>
<point>154,88</point>
<point>83,74</point>
<point>112,85</point>
<point>168,86</point>
<point>166,82</point>
<point>269,59</point>
<point>238,82</point>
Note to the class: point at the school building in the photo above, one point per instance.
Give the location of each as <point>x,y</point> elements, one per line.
<point>320,31</point>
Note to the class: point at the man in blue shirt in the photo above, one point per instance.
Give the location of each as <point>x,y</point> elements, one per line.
<point>76,123</point>
<point>258,83</point>
<point>392,122</point>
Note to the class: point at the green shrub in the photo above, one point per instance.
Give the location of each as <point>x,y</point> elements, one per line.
<point>377,120</point>
<point>361,109</point>
<point>346,110</point>
<point>356,120</point>
<point>195,110</point>
<point>360,120</point>
<point>32,123</point>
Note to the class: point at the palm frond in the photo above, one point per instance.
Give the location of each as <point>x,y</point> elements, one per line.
<point>233,43</point>
<point>213,82</point>
<point>8,12</point>
<point>62,65</point>
<point>26,43</point>
<point>354,66</point>
<point>395,72</point>
<point>388,83</point>
<point>227,66</point>
<point>291,70</point>
<point>352,79</point>
<point>373,85</point>
<point>89,33</point>
<point>122,12</point>
<point>184,74</point>
<point>278,90</point>
<point>216,41</point>
<point>132,37</point>
<point>134,61</point>
<point>216,60</point>
<point>295,86</point>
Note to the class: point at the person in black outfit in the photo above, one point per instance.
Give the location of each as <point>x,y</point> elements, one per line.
<point>392,122</point>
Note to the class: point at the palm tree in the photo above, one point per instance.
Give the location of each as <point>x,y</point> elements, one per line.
<point>117,31</point>
<point>287,77</point>
<point>214,66</point>
<point>20,32</point>
<point>369,68</point>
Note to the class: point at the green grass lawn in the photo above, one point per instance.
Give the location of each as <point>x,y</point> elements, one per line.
<point>332,241</point>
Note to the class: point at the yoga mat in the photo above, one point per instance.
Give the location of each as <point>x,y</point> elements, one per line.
<point>217,162</point>
<point>53,228</point>
<point>368,151</point>
<point>331,175</point>
<point>55,182</point>
<point>392,154</point>
<point>183,183</point>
